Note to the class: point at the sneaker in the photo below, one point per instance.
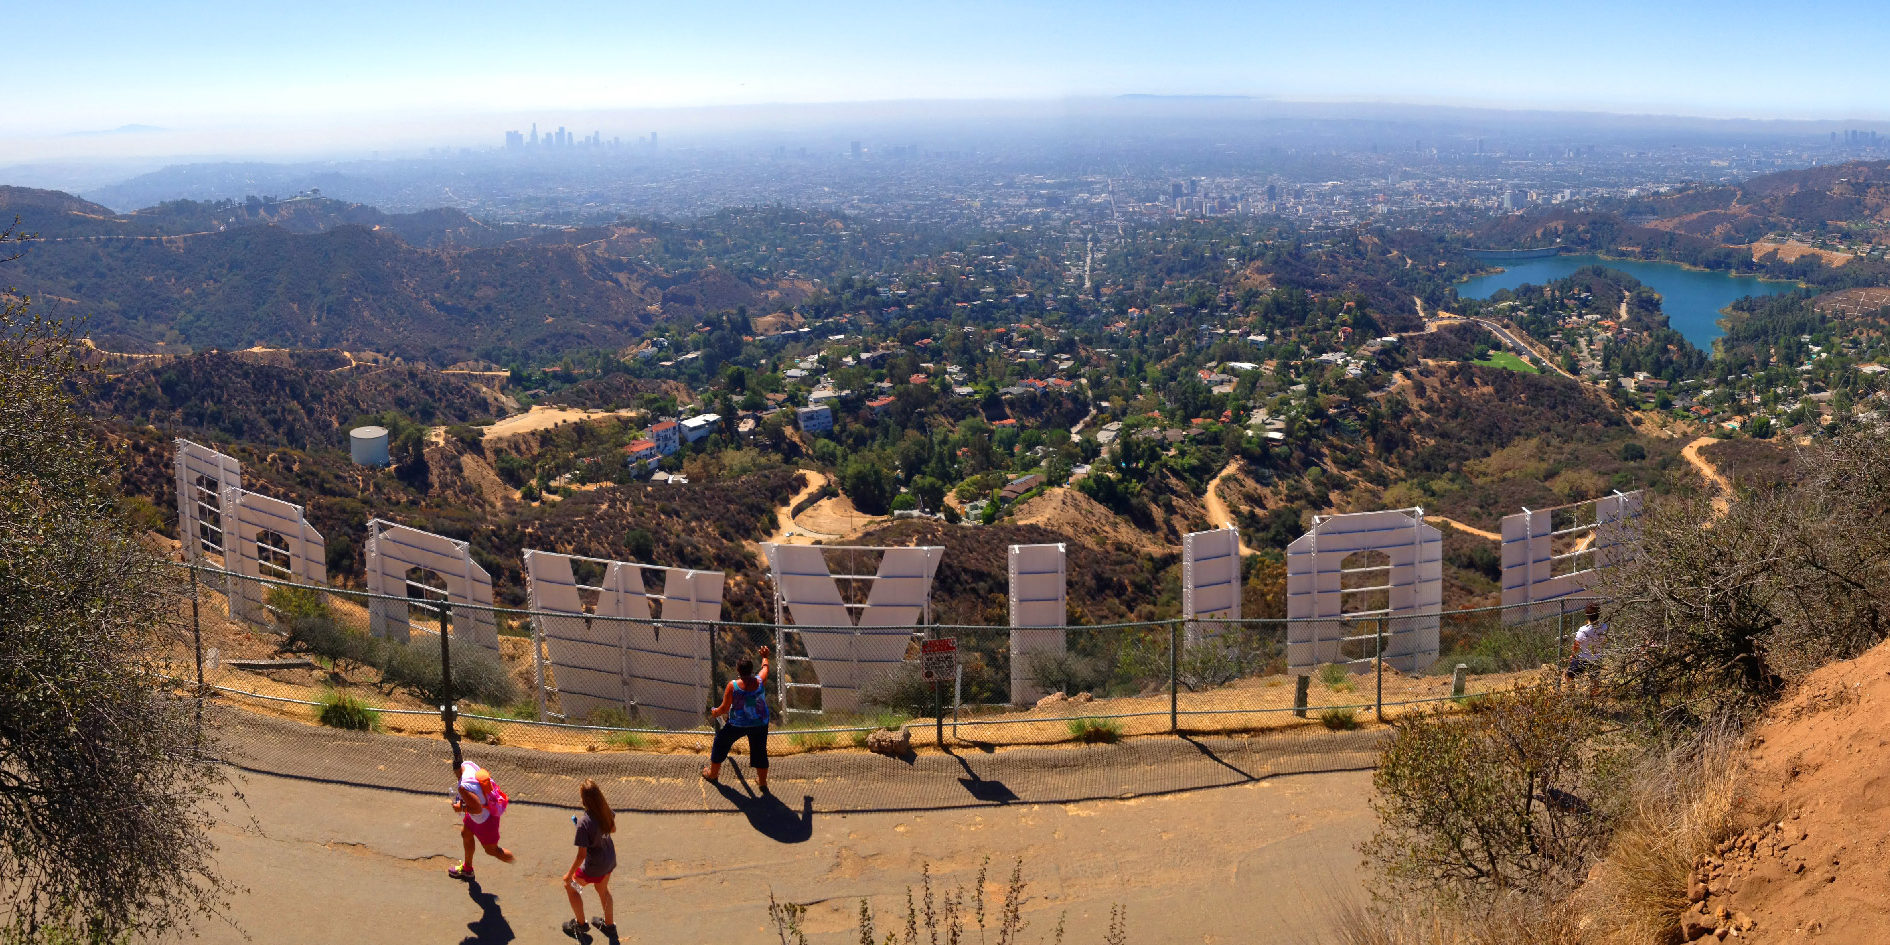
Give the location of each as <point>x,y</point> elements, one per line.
<point>464,873</point>
<point>574,928</point>
<point>597,922</point>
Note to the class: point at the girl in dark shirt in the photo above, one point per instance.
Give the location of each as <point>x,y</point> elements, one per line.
<point>596,858</point>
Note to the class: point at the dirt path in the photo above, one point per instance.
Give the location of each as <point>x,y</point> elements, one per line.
<point>786,531</point>
<point>1466,529</point>
<point>332,863</point>
<point>1721,487</point>
<point>544,417</point>
<point>1219,515</point>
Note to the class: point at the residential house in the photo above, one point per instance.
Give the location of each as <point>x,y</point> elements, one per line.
<point>667,436</point>
<point>642,453</point>
<point>815,419</point>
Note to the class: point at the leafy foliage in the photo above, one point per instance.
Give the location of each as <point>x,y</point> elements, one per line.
<point>106,776</point>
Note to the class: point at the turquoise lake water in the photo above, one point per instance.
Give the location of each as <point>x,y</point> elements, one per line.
<point>1691,298</point>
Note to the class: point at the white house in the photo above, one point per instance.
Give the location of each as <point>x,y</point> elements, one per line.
<point>699,426</point>
<point>815,419</point>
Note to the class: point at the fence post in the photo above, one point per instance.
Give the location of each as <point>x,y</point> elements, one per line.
<point>1380,708</point>
<point>1302,686</point>
<point>1456,681</point>
<point>196,644</point>
<point>538,666</point>
<point>1174,685</point>
<point>1561,647</point>
<point>447,710</point>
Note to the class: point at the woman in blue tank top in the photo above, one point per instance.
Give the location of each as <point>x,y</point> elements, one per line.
<point>745,706</point>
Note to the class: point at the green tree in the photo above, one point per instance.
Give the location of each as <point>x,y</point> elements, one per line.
<point>868,484</point>
<point>106,775</point>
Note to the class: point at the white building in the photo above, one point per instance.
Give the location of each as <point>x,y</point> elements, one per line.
<point>699,426</point>
<point>815,419</point>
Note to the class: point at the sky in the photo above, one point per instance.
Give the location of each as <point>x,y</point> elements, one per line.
<point>215,68</point>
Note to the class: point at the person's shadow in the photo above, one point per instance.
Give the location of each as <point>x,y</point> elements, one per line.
<point>990,792</point>
<point>491,928</point>
<point>769,816</point>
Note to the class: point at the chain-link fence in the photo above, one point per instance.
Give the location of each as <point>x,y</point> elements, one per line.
<point>338,685</point>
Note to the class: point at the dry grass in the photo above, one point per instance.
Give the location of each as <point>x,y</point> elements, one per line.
<point>1677,807</point>
<point>1514,921</point>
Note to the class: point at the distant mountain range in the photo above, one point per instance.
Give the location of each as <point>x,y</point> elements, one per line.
<point>434,286</point>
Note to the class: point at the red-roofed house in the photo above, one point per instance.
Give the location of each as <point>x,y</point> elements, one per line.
<point>668,437</point>
<point>641,452</point>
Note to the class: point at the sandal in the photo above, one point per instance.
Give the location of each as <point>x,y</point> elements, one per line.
<point>458,873</point>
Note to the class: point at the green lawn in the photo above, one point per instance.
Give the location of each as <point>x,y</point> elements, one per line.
<point>1510,362</point>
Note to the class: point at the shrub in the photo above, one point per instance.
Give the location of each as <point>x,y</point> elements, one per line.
<point>340,710</point>
<point>1474,807</point>
<point>478,676</point>
<point>1678,805</point>
<point>1094,730</point>
<point>902,690</point>
<point>1338,720</point>
<point>296,603</point>
<point>1507,650</point>
<point>1240,650</point>
<point>1066,673</point>
<point>479,730</point>
<point>1332,674</point>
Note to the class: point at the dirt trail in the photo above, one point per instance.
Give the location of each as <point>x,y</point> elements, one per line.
<point>786,531</point>
<point>544,417</point>
<point>1219,515</point>
<point>1466,529</point>
<point>1691,452</point>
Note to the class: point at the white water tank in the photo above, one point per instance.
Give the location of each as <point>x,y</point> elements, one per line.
<point>368,445</point>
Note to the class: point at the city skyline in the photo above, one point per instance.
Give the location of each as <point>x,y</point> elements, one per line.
<point>194,71</point>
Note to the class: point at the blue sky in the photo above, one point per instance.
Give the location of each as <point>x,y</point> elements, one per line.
<point>226,64</point>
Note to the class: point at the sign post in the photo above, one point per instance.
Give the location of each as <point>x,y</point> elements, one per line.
<point>938,660</point>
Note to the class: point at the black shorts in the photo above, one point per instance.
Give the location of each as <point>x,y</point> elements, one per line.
<point>1579,667</point>
<point>757,744</point>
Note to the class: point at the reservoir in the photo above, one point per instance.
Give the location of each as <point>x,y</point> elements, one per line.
<point>1691,298</point>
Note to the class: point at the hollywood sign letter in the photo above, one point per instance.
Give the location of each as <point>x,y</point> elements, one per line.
<point>1320,619</point>
<point>847,654</point>
<point>1543,564</point>
<point>617,655</point>
<point>267,540</point>
<point>402,560</point>
<point>1039,609</point>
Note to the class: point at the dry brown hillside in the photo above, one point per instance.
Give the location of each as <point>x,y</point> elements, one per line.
<point>1817,785</point>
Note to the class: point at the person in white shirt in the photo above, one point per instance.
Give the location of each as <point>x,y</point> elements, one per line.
<point>1585,658</point>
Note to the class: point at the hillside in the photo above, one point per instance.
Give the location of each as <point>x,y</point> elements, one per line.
<point>1807,199</point>
<point>230,396</point>
<point>53,215</point>
<point>332,278</point>
<point>1812,864</point>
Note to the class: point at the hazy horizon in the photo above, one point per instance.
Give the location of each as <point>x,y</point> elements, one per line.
<point>219,80</point>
